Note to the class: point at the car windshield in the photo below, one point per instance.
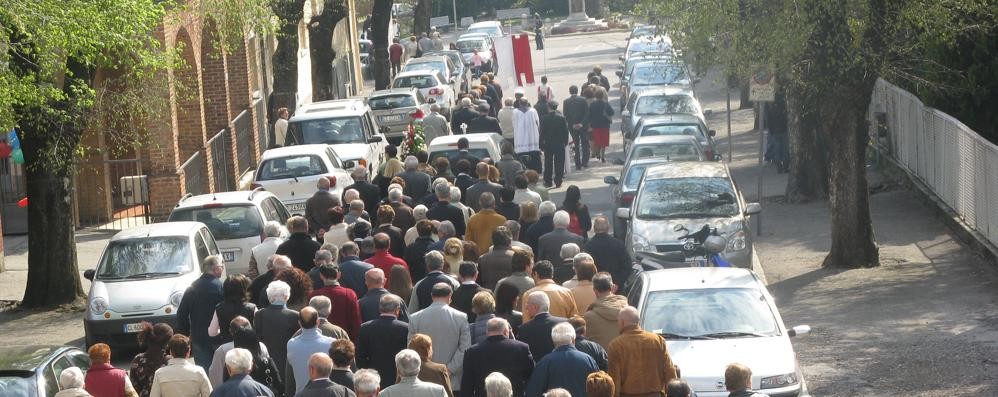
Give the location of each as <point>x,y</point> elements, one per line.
<point>665,104</point>
<point>669,151</point>
<point>489,30</point>
<point>434,66</point>
<point>226,223</point>
<point>16,386</point>
<point>709,313</point>
<point>392,102</point>
<point>654,45</point>
<point>478,153</point>
<point>145,258</point>
<point>646,30</point>
<point>657,74</point>
<point>699,197</point>
<point>419,81</point>
<point>671,129</point>
<point>290,167</point>
<point>329,131</point>
<point>470,45</point>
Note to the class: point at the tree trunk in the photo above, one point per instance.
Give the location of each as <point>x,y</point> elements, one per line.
<point>421,16</point>
<point>320,34</point>
<point>285,59</point>
<point>843,121</point>
<point>381,15</point>
<point>808,176</point>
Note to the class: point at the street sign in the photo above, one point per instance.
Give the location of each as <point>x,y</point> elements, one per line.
<point>762,87</point>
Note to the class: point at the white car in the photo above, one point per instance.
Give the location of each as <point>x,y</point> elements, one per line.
<point>141,277</point>
<point>715,316</point>
<point>236,220</point>
<point>431,84</point>
<point>480,145</point>
<point>292,173</point>
<point>468,43</point>
<point>491,28</point>
<point>346,125</point>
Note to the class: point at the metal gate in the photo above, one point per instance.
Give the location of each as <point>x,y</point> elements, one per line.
<point>243,126</point>
<point>193,171</point>
<point>220,148</point>
<point>112,194</point>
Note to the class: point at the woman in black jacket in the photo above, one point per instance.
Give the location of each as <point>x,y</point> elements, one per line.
<point>264,369</point>
<point>579,220</point>
<point>599,120</point>
<point>234,303</point>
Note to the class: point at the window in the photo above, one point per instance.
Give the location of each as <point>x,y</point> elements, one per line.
<point>418,81</point>
<point>212,246</point>
<point>477,152</point>
<point>201,248</point>
<point>672,129</point>
<point>634,174</point>
<point>58,365</point>
<point>226,223</point>
<point>664,104</point>
<point>392,102</point>
<point>470,45</point>
<point>673,151</point>
<point>709,312</point>
<point>291,167</point>
<point>657,74</point>
<point>270,210</point>
<point>634,295</point>
<point>79,360</point>
<point>672,198</point>
<point>330,131</point>
<point>145,258</point>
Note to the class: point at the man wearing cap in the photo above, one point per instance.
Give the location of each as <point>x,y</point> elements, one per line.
<point>554,137</point>
<point>526,133</point>
<point>484,122</point>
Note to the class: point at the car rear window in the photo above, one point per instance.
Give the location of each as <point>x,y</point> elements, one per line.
<point>672,129</point>
<point>392,102</point>
<point>225,222</point>
<point>425,81</point>
<point>469,45</point>
<point>667,151</point>
<point>479,153</point>
<point>290,167</point>
<point>664,104</point>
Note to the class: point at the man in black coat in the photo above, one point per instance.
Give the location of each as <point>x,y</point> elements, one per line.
<point>461,299</point>
<point>417,184</point>
<point>443,210</point>
<point>473,196</point>
<point>484,122</point>
<point>554,137</point>
<point>463,180</point>
<point>576,110</point>
<point>370,193</point>
<point>536,333</point>
<point>371,301</point>
<point>197,308</point>
<point>320,366</point>
<point>462,116</point>
<point>415,252</point>
<point>379,340</point>
<point>300,247</point>
<point>386,216</point>
<point>610,254</point>
<point>497,353</point>
<point>462,154</point>
<point>317,207</point>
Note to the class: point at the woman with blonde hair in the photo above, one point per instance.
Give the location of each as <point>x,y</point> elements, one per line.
<point>528,216</point>
<point>430,371</point>
<point>599,384</point>
<point>453,255</point>
<point>400,281</point>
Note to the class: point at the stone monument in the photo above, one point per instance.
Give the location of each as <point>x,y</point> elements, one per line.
<point>577,17</point>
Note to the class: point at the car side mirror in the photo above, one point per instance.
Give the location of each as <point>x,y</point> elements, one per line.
<point>718,157</point>
<point>375,139</point>
<point>799,330</point>
<point>89,274</point>
<point>753,209</point>
<point>712,132</point>
<point>619,73</point>
<point>623,213</point>
<point>621,57</point>
<point>610,180</point>
<point>349,164</point>
<point>625,113</point>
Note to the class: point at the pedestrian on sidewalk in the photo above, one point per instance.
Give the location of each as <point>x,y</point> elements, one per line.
<point>576,109</point>
<point>539,31</point>
<point>395,56</point>
<point>600,118</point>
<point>554,138</point>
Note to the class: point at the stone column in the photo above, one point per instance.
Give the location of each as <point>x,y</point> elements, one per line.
<point>577,10</point>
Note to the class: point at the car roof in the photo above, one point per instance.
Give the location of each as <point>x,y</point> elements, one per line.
<point>289,151</point>
<point>485,24</point>
<point>421,72</point>
<point>333,108</point>
<point>428,59</point>
<point>236,197</point>
<point>473,36</point>
<point>670,90</point>
<point>394,91</point>
<point>687,169</point>
<point>28,357</point>
<point>644,140</point>
<point>162,229</point>
<point>472,138</point>
<point>684,118</point>
<point>700,278</point>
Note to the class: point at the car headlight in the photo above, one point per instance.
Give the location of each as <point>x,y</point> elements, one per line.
<point>773,382</point>
<point>736,242</point>
<point>98,306</point>
<point>176,297</point>
<point>639,243</point>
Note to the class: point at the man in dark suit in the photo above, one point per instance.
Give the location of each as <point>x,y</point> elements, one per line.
<point>319,384</point>
<point>443,210</point>
<point>197,308</point>
<point>554,137</point>
<point>275,324</point>
<point>484,122</point>
<point>317,207</point>
<point>464,180</point>
<point>484,185</point>
<point>370,303</point>
<point>300,247</point>
<point>403,212</point>
<point>536,333</point>
<point>576,109</point>
<point>609,253</point>
<point>497,353</point>
<point>417,183</point>
<point>462,154</point>
<point>468,273</point>
<point>462,116</point>
<point>381,339</point>
<point>386,216</point>
<point>415,252</point>
<point>370,193</point>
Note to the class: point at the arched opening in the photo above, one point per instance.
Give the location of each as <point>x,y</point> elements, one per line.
<point>190,131</point>
<point>216,104</point>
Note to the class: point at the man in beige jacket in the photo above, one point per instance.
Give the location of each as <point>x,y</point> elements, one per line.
<point>562,300</point>
<point>180,377</point>
<point>601,319</point>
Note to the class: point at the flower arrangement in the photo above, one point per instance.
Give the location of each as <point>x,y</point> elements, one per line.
<point>414,140</point>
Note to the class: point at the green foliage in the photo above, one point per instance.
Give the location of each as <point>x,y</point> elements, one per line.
<point>236,18</point>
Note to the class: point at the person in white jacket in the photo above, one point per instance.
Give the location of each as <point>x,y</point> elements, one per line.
<point>526,134</point>
<point>180,377</point>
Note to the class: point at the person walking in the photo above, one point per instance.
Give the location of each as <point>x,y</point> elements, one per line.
<point>484,123</point>
<point>448,328</point>
<point>197,308</point>
<point>565,367</point>
<point>300,247</point>
<point>526,134</point>
<point>324,307</point>
<point>71,383</point>
<point>396,240</point>
<point>301,348</point>
<point>275,324</point>
<point>239,363</point>
<point>639,360</point>
<point>430,371</point>
<point>600,118</point>
<point>554,138</point>
<point>544,225</point>
<point>370,303</point>
<point>260,254</point>
<point>601,317</point>
<point>549,245</point>
<point>345,311</point>
<point>416,251</point>
<point>280,128</point>
<point>369,192</point>
<point>483,305</point>
<point>482,224</point>
<point>408,364</point>
<point>536,332</point>
<point>425,44</point>
<point>103,379</point>
<point>539,31</point>
<point>395,52</point>
<point>367,383</point>
<point>320,366</point>
<point>234,303</point>
<point>382,338</point>
<point>383,258</point>
<point>576,111</point>
<point>154,339</point>
<point>411,49</point>
<point>609,253</point>
<point>564,270</point>
<point>560,299</point>
<point>498,353</point>
<point>352,269</point>
<point>438,43</point>
<point>443,210</point>
<point>592,349</point>
<point>582,284</point>
<point>522,266</point>
<point>421,293</point>
<point>484,185</point>
<point>505,117</point>
<point>579,221</point>
<point>264,367</point>
<point>342,352</point>
<point>738,381</point>
<point>506,207</point>
<point>434,125</point>
<point>180,377</point>
<point>317,208</point>
<point>497,263</point>
<point>463,295</point>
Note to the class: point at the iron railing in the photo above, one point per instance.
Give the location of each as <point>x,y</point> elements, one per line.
<point>219,146</point>
<point>193,171</point>
<point>243,127</point>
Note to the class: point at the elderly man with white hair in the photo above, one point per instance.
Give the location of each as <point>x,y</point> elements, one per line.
<point>407,362</point>
<point>403,212</point>
<point>549,245</point>
<point>366,383</point>
<point>536,333</point>
<point>544,225</point>
<point>462,115</point>
<point>239,363</point>
<point>455,197</point>
<point>445,208</point>
<point>497,384</point>
<point>261,253</point>
<point>71,381</point>
<point>324,306</point>
<point>418,214</point>
<point>417,183</point>
<point>435,124</point>
<point>565,367</point>
<point>564,270</point>
<point>369,192</point>
<point>276,324</point>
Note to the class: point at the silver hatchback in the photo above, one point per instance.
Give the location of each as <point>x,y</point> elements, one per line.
<point>396,109</point>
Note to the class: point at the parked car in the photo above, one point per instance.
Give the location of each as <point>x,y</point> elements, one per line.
<point>654,74</point>
<point>141,277</point>
<point>666,147</point>
<point>396,109</point>
<point>657,44</point>
<point>623,190</point>
<point>468,43</point>
<point>678,124</point>
<point>692,194</point>
<point>658,102</point>
<point>480,145</point>
<point>440,63</point>
<point>491,28</point>
<point>625,69</point>
<point>711,317</point>
<point>291,173</point>
<point>642,31</point>
<point>431,84</point>
<point>33,371</point>
<point>461,71</point>
<point>346,125</point>
<point>235,219</point>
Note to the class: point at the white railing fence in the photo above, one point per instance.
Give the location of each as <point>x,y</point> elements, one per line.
<point>956,163</point>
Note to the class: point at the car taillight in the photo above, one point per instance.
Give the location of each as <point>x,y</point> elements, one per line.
<point>626,199</point>
<point>436,91</point>
<point>418,114</point>
<point>254,186</point>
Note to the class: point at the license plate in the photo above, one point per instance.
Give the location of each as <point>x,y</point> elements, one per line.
<point>392,118</point>
<point>295,208</point>
<point>697,262</point>
<point>133,328</point>
<point>229,256</point>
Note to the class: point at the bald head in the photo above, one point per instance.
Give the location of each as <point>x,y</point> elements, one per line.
<point>308,318</point>
<point>628,316</point>
<point>320,366</point>
<point>374,278</point>
<point>601,225</point>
